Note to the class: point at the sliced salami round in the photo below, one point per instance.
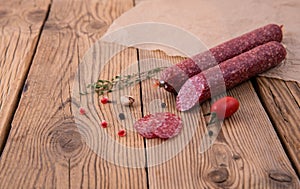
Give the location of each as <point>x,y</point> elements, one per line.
<point>163,125</point>
<point>146,126</point>
<point>170,125</point>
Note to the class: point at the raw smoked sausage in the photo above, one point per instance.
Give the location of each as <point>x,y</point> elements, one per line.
<point>232,72</point>
<point>175,76</point>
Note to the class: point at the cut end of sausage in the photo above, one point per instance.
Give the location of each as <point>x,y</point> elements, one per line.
<point>190,93</point>
<point>173,78</point>
<point>167,86</point>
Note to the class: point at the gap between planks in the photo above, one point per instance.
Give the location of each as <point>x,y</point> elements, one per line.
<point>142,112</point>
<point>247,151</point>
<point>38,148</point>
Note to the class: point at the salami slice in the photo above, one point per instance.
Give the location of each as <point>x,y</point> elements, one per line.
<point>233,72</point>
<point>163,125</point>
<point>175,76</point>
<point>170,125</point>
<point>146,126</point>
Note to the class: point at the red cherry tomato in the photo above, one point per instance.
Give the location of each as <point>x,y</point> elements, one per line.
<point>225,107</point>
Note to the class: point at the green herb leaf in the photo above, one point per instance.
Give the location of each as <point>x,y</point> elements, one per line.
<point>103,86</point>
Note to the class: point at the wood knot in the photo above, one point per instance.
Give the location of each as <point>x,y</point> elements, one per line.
<point>63,138</point>
<point>236,157</point>
<point>69,141</point>
<point>219,175</point>
<point>280,177</point>
<point>95,26</point>
<point>36,15</point>
<point>52,26</point>
<point>3,13</point>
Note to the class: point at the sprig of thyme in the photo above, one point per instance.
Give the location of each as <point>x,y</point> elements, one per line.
<point>119,82</point>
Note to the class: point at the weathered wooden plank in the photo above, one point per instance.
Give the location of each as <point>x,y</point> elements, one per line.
<point>20,25</point>
<point>281,100</point>
<point>123,158</point>
<point>246,154</point>
<point>45,148</point>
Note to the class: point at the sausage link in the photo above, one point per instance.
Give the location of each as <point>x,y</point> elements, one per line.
<point>229,74</point>
<point>175,76</point>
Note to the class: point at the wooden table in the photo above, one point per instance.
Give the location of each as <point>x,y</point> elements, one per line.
<point>41,44</point>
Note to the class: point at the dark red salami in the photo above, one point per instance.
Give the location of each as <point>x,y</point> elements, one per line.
<point>146,126</point>
<point>170,125</point>
<point>175,76</point>
<point>163,125</point>
<point>232,72</point>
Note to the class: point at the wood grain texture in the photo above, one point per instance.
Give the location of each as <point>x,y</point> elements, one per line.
<point>282,102</point>
<point>48,149</point>
<point>45,148</point>
<point>20,25</point>
<point>136,2</point>
<point>246,154</point>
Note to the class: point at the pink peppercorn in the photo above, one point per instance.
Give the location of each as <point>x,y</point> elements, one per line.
<point>122,133</point>
<point>104,124</point>
<point>82,111</point>
<point>104,100</point>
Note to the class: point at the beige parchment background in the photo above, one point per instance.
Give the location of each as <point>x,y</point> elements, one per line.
<point>216,21</point>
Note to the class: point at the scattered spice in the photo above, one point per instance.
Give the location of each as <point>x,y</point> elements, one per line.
<point>121,116</point>
<point>127,100</point>
<point>122,133</point>
<point>104,124</point>
<point>82,111</point>
<point>163,105</point>
<point>104,100</point>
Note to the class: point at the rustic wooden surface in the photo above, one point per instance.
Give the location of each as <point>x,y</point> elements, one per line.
<point>258,147</point>
<point>44,148</point>
<point>246,154</point>
<point>20,25</point>
<point>282,102</point>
